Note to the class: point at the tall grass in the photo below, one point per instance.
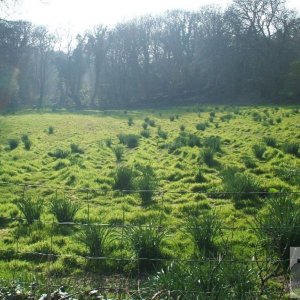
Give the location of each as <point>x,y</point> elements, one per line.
<point>64,209</point>
<point>259,150</point>
<point>123,178</point>
<point>13,143</point>
<point>119,152</point>
<point>30,208</point>
<point>291,148</point>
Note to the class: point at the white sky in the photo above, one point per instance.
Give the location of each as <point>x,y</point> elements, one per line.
<point>76,16</point>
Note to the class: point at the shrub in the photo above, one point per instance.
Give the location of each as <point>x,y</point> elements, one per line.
<point>146,243</point>
<point>277,227</point>
<point>119,152</point>
<point>162,134</point>
<point>96,239</point>
<point>204,229</point>
<point>242,186</point>
<point>270,141</point>
<point>146,183</point>
<point>201,126</point>
<point>207,156</point>
<point>130,121</point>
<point>259,150</point>
<point>59,153</point>
<point>27,143</point>
<point>291,148</point>
<point>123,179</point>
<point>64,209</point>
<point>213,142</point>
<point>76,149</point>
<point>50,130</point>
<point>30,208</point>
<point>145,133</point>
<point>13,144</point>
<point>130,140</point>
<point>145,125</point>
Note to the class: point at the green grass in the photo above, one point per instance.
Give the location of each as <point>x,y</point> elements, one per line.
<point>196,163</point>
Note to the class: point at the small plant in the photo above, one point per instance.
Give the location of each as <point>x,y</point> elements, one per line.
<point>13,144</point>
<point>249,162</point>
<point>96,239</point>
<point>242,186</point>
<point>119,152</point>
<point>162,134</point>
<point>26,141</point>
<point>212,114</point>
<point>76,149</point>
<point>278,120</point>
<point>151,123</point>
<point>270,141</point>
<point>146,242</point>
<point>64,209</point>
<point>291,148</point>
<point>204,229</point>
<point>147,119</point>
<point>256,117</point>
<point>207,156</point>
<point>108,142</point>
<point>145,125</point>
<point>146,183</point>
<point>50,130</point>
<point>130,121</point>
<point>145,133</point>
<point>30,208</point>
<point>123,179</point>
<point>172,118</point>
<point>60,165</point>
<point>130,140</point>
<point>213,143</point>
<point>182,128</point>
<point>177,117</point>
<point>199,177</point>
<point>59,153</point>
<point>259,150</point>
<point>201,126</point>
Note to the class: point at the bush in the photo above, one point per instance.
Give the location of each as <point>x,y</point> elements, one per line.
<point>201,126</point>
<point>64,210</point>
<point>96,239</point>
<point>13,144</point>
<point>123,179</point>
<point>119,152</point>
<point>291,148</point>
<point>76,149</point>
<point>50,130</point>
<point>130,121</point>
<point>242,186</point>
<point>184,139</point>
<point>146,183</point>
<point>30,208</point>
<point>213,142</point>
<point>259,150</point>
<point>204,229</point>
<point>277,227</point>
<point>270,141</point>
<point>59,153</point>
<point>146,243</point>
<point>145,133</point>
<point>207,156</point>
<point>130,140</point>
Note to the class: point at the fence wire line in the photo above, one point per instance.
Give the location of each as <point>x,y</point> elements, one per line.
<point>159,192</point>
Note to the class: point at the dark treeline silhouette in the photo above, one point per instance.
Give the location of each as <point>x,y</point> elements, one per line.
<point>249,52</point>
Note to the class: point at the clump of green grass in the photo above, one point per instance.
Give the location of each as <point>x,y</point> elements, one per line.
<point>145,125</point>
<point>162,134</point>
<point>249,162</point>
<point>130,121</point>
<point>199,177</point>
<point>64,210</point>
<point>59,153</point>
<point>259,150</point>
<point>146,183</point>
<point>184,139</point>
<point>108,142</point>
<point>59,165</point>
<point>50,130</point>
<point>256,116</point>
<point>204,230</point>
<point>26,141</point>
<point>145,133</point>
<point>207,156</point>
<point>172,118</point>
<point>243,186</point>
<point>13,144</point>
<point>182,128</point>
<point>270,141</point>
<point>146,243</point>
<point>226,117</point>
<point>30,208</point>
<point>130,140</point>
<point>119,152</point>
<point>76,149</point>
<point>123,179</point>
<point>96,239</point>
<point>278,120</point>
<point>291,148</point>
<point>201,126</point>
<point>213,143</point>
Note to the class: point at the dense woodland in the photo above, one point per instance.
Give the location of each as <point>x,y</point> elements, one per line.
<point>249,52</point>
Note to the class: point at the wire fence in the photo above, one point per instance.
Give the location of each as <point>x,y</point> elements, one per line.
<point>131,284</point>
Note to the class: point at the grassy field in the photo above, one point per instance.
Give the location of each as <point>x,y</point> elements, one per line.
<point>193,154</point>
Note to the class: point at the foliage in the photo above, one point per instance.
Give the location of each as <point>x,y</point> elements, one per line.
<point>145,133</point>
<point>119,152</point>
<point>64,209</point>
<point>26,141</point>
<point>259,150</point>
<point>123,179</point>
<point>207,156</point>
<point>291,148</point>
<point>270,141</point>
<point>130,140</point>
<point>13,143</point>
<point>59,153</point>
<point>30,208</point>
<point>76,149</point>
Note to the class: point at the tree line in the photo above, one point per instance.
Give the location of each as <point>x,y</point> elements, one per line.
<point>248,52</point>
